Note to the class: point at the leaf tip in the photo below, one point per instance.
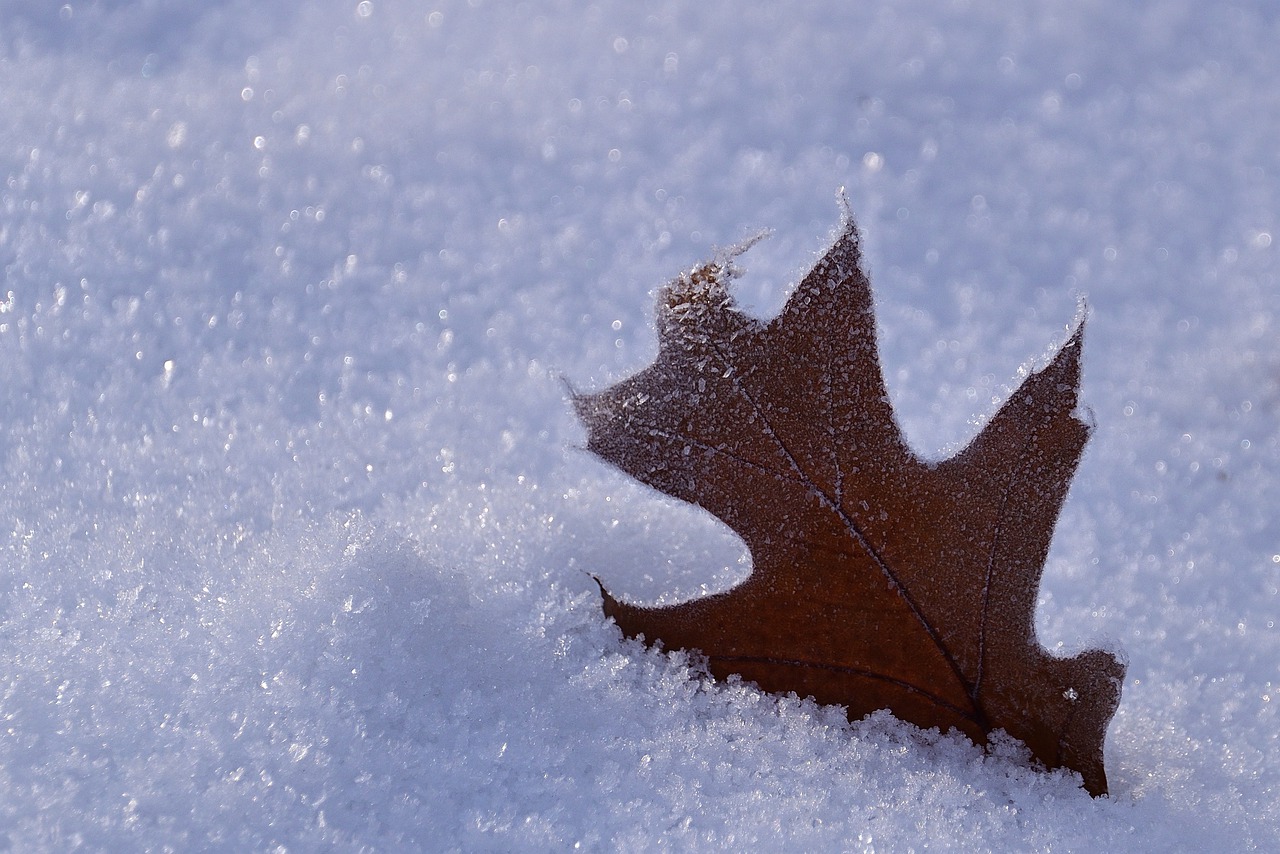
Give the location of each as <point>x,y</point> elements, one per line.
<point>573,393</point>
<point>600,584</point>
<point>580,400</point>
<point>1082,311</point>
<point>846,208</point>
<point>610,605</point>
<point>1076,338</point>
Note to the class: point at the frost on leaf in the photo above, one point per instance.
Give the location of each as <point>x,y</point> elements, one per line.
<point>878,581</point>
<point>688,306</point>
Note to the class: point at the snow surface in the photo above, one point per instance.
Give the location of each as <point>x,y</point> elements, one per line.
<point>297,530</point>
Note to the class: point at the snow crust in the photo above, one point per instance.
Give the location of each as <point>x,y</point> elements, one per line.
<point>296,536</point>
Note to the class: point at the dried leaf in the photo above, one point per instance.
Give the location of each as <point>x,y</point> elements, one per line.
<point>879,580</point>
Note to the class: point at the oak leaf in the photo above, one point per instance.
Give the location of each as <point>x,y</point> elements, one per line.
<point>879,579</point>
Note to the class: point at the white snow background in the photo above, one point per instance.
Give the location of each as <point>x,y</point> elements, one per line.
<point>296,525</point>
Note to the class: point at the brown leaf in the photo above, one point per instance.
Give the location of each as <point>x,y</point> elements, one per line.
<point>879,580</point>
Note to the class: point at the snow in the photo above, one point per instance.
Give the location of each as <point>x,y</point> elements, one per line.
<point>299,531</point>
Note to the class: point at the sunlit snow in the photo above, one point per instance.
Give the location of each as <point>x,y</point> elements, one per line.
<point>298,534</point>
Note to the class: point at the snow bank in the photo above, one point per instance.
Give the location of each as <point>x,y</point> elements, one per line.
<point>298,534</point>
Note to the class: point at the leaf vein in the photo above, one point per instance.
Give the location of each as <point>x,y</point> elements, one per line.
<point>858,535</point>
